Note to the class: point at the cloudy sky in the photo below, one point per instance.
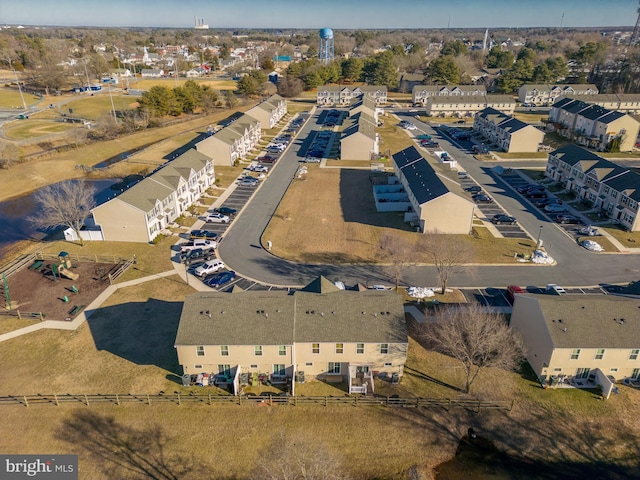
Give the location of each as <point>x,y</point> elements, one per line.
<point>336,14</point>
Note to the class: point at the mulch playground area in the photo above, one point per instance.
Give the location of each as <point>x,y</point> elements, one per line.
<point>36,289</point>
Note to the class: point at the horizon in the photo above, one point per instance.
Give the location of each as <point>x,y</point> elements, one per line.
<point>355,14</point>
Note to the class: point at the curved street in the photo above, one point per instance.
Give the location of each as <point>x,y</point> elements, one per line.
<point>243,251</point>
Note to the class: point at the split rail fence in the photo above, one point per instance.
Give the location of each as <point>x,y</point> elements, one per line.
<point>262,400</point>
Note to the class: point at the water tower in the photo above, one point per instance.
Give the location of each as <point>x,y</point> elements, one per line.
<point>325,54</point>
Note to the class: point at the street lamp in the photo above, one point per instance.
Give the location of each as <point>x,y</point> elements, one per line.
<point>538,242</point>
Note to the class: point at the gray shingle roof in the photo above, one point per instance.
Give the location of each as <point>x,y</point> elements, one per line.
<point>144,194</point>
<point>277,318</point>
<point>591,321</point>
<point>572,154</point>
<point>422,179</point>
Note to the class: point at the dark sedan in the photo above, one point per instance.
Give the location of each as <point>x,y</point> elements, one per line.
<point>473,189</point>
<point>482,198</point>
<point>219,279</point>
<point>226,210</point>
<point>206,234</point>
<point>503,219</point>
<point>569,219</point>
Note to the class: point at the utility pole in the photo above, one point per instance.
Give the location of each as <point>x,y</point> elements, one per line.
<point>24,104</point>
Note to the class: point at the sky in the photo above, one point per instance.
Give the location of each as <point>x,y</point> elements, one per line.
<point>335,14</point>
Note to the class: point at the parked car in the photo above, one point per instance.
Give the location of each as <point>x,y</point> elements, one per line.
<point>207,268</point>
<point>543,202</point>
<point>204,234</point>
<point>555,208</point>
<point>511,292</point>
<point>208,245</point>
<point>245,182</point>
<point>225,210</point>
<point>555,289</point>
<point>536,194</point>
<point>311,160</point>
<point>217,218</point>
<point>482,198</point>
<point>591,245</point>
<point>268,159</point>
<point>473,189</point>
<point>258,168</point>
<point>196,254</point>
<point>589,231</point>
<point>219,279</point>
<point>500,219</point>
<point>411,126</point>
<point>568,219</point>
<point>524,189</point>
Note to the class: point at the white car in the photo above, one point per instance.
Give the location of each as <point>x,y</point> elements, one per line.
<point>555,289</point>
<point>411,126</point>
<point>257,168</point>
<point>212,266</point>
<point>591,245</point>
<point>217,218</point>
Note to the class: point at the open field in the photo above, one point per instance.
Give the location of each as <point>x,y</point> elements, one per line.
<point>147,83</point>
<point>28,128</point>
<point>392,137</point>
<point>94,107</point>
<point>343,199</point>
<point>10,98</point>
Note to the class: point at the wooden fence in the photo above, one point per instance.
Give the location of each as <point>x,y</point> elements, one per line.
<point>262,400</point>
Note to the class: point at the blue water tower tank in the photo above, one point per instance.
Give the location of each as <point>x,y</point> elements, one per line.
<point>326,33</point>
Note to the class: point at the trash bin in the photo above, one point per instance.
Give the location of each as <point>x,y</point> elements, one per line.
<point>395,378</point>
<point>186,380</point>
<point>300,376</point>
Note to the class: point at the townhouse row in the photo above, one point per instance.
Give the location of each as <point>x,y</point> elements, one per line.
<point>543,95</point>
<point>359,140</point>
<point>344,95</point>
<point>593,126</point>
<point>607,186</point>
<point>459,100</point>
<point>508,133</point>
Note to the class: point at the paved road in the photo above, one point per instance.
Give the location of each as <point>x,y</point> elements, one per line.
<point>243,252</point>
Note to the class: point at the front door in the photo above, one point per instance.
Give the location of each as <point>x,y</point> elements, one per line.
<point>362,369</point>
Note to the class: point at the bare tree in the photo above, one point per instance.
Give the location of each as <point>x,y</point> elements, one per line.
<point>446,254</point>
<point>64,204</point>
<point>398,251</point>
<point>476,337</point>
<point>9,154</point>
<point>295,457</point>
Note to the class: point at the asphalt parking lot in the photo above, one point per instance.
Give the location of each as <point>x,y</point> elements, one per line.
<point>497,297</point>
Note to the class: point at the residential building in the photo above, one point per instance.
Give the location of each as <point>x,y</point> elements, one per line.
<point>359,140</point>
<point>572,335</point>
<point>364,104</point>
<point>422,93</point>
<point>232,143</point>
<point>545,95</point>
<point>343,95</point>
<point>270,111</point>
<point>151,73</point>
<point>468,105</point>
<point>141,212</point>
<point>508,133</point>
<point>320,330</point>
<point>432,207</point>
<point>593,126</point>
<point>613,189</point>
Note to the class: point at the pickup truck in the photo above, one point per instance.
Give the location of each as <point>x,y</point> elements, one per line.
<point>195,254</point>
<point>206,245</point>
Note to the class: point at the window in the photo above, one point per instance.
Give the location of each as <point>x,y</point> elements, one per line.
<point>339,348</point>
<point>315,348</point>
<point>359,348</point>
<point>613,370</point>
<point>282,350</point>
<point>334,367</point>
<point>388,364</point>
<point>224,370</point>
<point>257,350</point>
<point>200,351</point>
<point>308,364</point>
<point>384,348</point>
<point>254,366</point>
<point>224,350</point>
<point>634,354</point>
<point>599,354</point>
<point>279,369</point>
<point>198,367</point>
<point>557,369</point>
<point>575,353</point>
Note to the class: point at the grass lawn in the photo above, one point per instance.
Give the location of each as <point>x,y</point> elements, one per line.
<point>536,174</point>
<point>10,98</point>
<point>24,129</point>
<point>343,199</point>
<point>530,117</point>
<point>628,239</point>
<point>522,155</point>
<point>392,137</point>
<point>94,107</point>
<point>147,83</point>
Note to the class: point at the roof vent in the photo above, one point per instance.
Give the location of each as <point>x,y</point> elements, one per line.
<point>559,320</point>
<point>388,313</point>
<point>622,321</point>
<point>564,329</point>
<point>363,312</point>
<point>313,312</point>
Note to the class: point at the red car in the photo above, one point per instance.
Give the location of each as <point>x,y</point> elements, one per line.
<point>512,290</point>
<point>268,159</point>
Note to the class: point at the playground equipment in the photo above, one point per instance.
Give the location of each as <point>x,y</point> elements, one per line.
<point>62,268</point>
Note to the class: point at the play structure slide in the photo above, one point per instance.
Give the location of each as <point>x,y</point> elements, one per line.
<point>67,273</point>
